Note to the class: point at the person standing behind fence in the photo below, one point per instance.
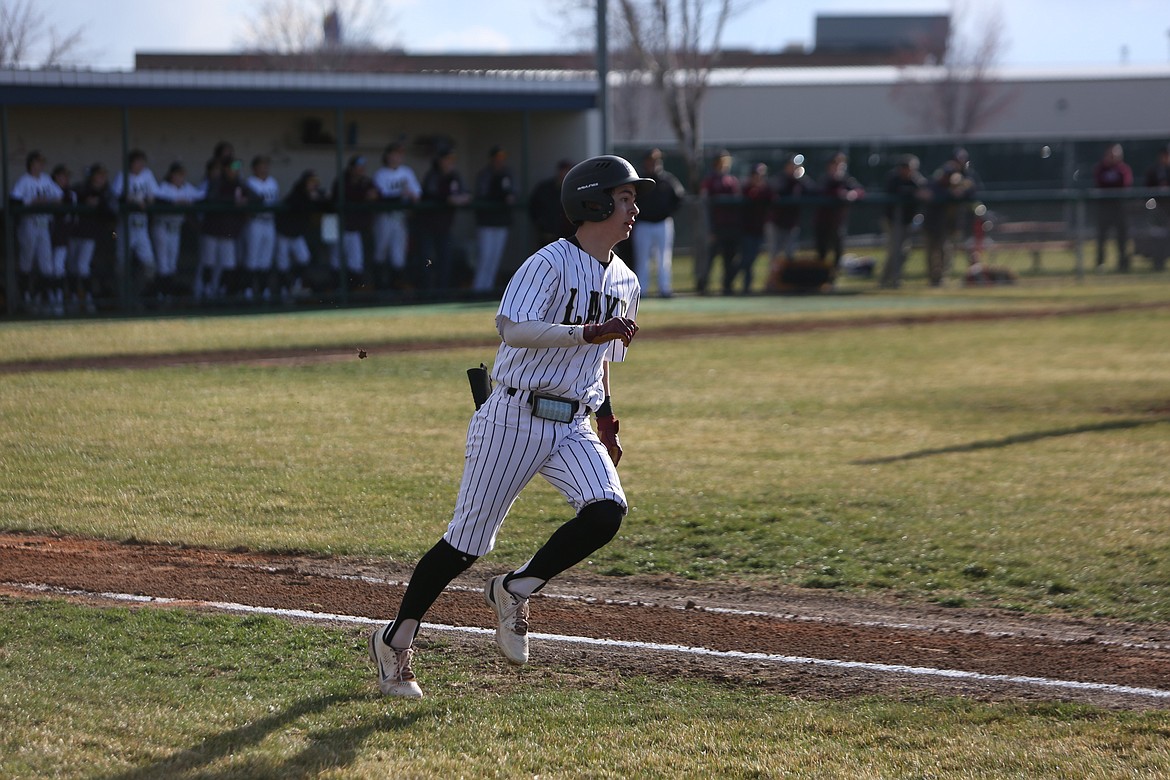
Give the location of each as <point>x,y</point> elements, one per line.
<point>399,189</point>
<point>1111,175</point>
<point>442,192</point>
<point>222,225</point>
<point>167,227</point>
<point>261,189</point>
<point>1158,176</point>
<point>359,191</point>
<point>907,189</point>
<point>495,195</point>
<point>653,236</point>
<point>293,221</point>
<point>136,191</point>
<point>757,213</point>
<point>94,223</point>
<point>951,193</point>
<point>721,192</point>
<point>837,189</point>
<point>33,188</point>
<point>60,231</point>
<point>792,185</point>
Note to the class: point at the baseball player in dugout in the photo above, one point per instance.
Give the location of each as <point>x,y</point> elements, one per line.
<point>568,312</point>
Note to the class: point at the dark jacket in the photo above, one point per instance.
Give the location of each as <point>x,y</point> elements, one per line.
<point>906,192</point>
<point>300,204</point>
<point>663,200</point>
<point>359,216</point>
<point>435,213</point>
<point>787,215</point>
<point>225,219</point>
<point>494,194</point>
<point>97,217</point>
<point>547,213</point>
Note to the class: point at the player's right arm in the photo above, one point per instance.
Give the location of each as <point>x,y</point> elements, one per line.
<point>535,334</point>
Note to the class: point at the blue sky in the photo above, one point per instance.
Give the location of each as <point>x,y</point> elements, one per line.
<point>1039,32</point>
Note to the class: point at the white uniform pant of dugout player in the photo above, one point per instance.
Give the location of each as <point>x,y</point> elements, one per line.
<point>35,244</point>
<point>290,249</point>
<point>350,247</point>
<point>167,232</point>
<point>80,260</point>
<point>216,255</point>
<point>391,239</point>
<point>506,447</point>
<point>136,241</point>
<point>653,245</point>
<point>260,243</point>
<point>490,243</point>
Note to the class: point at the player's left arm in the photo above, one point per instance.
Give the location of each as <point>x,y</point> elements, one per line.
<point>607,422</point>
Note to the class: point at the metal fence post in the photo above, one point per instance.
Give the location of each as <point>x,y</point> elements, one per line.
<point>1079,244</point>
<point>12,295</point>
<point>123,270</point>
<point>340,178</point>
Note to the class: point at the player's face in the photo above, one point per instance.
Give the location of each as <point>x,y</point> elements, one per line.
<point>625,210</point>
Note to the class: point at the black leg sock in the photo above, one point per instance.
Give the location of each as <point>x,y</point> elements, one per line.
<point>592,528</point>
<point>434,572</point>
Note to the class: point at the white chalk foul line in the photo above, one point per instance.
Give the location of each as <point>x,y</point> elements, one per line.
<point>785,616</point>
<point>788,660</point>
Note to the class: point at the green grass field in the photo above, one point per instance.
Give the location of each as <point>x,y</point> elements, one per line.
<point>1017,463</point>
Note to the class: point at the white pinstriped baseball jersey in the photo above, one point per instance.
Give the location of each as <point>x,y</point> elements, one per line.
<point>563,285</point>
<point>506,445</point>
<point>399,182</point>
<point>267,189</point>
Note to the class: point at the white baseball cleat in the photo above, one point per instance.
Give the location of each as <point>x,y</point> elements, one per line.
<point>395,677</point>
<point>512,617</point>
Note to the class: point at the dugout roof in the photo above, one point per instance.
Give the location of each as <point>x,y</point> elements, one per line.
<point>203,89</point>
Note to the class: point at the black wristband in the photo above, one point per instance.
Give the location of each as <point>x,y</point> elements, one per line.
<point>606,409</point>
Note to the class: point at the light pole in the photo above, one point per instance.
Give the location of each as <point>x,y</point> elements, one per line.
<point>603,71</point>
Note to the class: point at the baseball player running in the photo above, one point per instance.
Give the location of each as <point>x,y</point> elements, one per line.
<point>568,312</point>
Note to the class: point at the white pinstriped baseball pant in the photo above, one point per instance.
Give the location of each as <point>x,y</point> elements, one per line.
<point>506,448</point>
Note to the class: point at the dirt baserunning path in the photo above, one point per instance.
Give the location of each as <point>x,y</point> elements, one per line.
<point>800,642</point>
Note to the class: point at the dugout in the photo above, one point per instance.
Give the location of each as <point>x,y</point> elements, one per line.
<point>300,120</point>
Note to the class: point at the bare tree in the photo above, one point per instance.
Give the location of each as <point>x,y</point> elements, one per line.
<point>672,47</point>
<point>29,40</point>
<point>960,95</point>
<point>324,32</point>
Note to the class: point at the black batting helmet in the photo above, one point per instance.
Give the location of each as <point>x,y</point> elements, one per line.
<point>587,191</point>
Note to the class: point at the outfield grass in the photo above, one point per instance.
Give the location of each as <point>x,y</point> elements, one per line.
<point>1016,463</point>
<point>132,695</point>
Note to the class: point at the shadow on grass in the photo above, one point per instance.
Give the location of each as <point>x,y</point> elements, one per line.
<point>329,748</point>
<point>1007,441</point>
